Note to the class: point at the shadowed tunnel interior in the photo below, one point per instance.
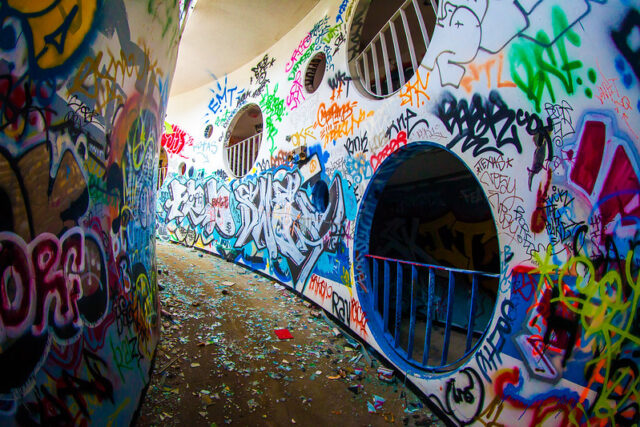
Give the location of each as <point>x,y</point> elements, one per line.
<point>433,211</point>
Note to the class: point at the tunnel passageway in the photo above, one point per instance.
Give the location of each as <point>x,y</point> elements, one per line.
<point>219,360</point>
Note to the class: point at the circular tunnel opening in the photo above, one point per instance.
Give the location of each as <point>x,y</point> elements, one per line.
<point>428,256</point>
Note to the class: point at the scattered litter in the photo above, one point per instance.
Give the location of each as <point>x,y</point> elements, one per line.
<point>252,404</point>
<point>198,308</point>
<point>413,407</point>
<point>385,375</point>
<point>378,401</point>
<point>226,390</point>
<point>283,334</point>
<point>355,388</point>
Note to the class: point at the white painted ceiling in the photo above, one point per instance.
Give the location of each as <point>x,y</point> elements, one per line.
<point>222,35</point>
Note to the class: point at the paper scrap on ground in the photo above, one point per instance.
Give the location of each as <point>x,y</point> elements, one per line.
<point>283,334</point>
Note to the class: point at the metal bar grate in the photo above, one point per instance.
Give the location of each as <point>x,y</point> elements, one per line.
<point>376,305</point>
<point>396,329</point>
<point>412,321</point>
<point>242,154</point>
<point>427,333</point>
<point>386,297</point>
<point>438,307</point>
<point>447,327</point>
<point>472,310</point>
<point>395,76</point>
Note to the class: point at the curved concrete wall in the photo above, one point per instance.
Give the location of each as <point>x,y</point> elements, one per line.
<point>83,92</point>
<point>539,99</point>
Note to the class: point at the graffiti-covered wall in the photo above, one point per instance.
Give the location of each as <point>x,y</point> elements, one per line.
<point>538,100</point>
<point>82,99</point>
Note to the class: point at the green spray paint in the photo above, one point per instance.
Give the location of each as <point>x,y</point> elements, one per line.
<point>536,67</point>
<point>273,109</point>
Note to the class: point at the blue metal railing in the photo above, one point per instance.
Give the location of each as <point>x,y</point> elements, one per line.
<point>392,310</point>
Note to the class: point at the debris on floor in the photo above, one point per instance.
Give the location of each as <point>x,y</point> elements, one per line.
<point>237,348</point>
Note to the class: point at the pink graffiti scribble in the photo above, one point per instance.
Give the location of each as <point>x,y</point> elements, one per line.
<point>296,93</point>
<point>304,44</point>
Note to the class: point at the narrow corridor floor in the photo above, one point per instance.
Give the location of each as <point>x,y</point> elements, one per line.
<point>220,362</point>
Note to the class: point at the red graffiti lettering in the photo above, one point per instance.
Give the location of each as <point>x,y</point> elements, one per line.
<point>393,145</point>
<point>358,318</point>
<point>320,288</point>
<point>175,141</point>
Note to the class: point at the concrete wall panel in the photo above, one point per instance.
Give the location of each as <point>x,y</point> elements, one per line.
<point>83,91</point>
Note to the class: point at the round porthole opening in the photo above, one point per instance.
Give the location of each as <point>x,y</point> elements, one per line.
<point>243,140</point>
<point>208,130</point>
<point>315,72</point>
<point>427,242</point>
<point>387,41</point>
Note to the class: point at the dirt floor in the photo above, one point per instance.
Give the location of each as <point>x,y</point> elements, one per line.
<point>220,362</point>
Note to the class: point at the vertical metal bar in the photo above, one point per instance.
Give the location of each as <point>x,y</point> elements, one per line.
<point>427,333</point>
<point>412,320</point>
<point>242,156</point>
<point>396,48</point>
<point>385,59</point>
<point>407,32</point>
<point>375,286</point>
<point>423,29</point>
<point>254,147</point>
<point>241,168</point>
<point>252,156</point>
<point>385,303</point>
<point>434,6</point>
<point>247,155</point>
<point>472,310</point>
<point>236,157</point>
<point>447,327</point>
<point>368,279</point>
<point>233,159</point>
<point>376,71</point>
<point>237,171</point>
<point>396,339</point>
<point>365,63</point>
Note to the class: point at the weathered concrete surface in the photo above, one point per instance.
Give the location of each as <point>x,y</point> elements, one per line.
<point>219,360</point>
